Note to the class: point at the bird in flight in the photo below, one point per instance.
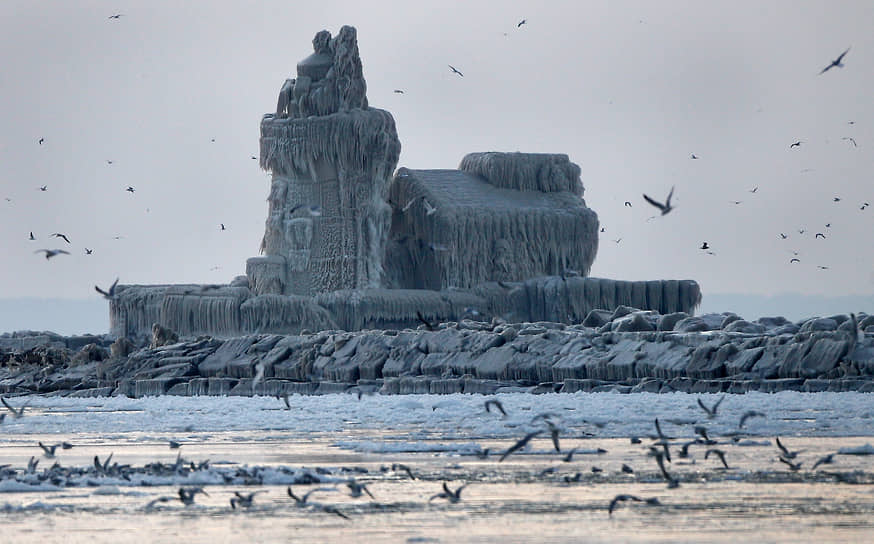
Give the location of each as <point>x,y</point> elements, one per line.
<point>41,140</point>
<point>31,236</point>
<point>666,207</point>
<point>754,189</point>
<point>59,235</point>
<point>108,161</point>
<point>222,225</point>
<point>796,144</point>
<point>835,63</point>
<point>399,91</point>
<point>822,267</point>
<point>108,295</point>
<point>522,22</point>
<point>783,236</point>
<point>864,205</point>
<point>52,252</point>
<point>88,251</point>
<point>736,202</point>
<point>454,70</point>
<point>117,16</point>
<point>44,188</point>
<point>451,496</point>
<point>616,241</point>
<point>819,235</point>
<point>794,261</point>
<point>704,246</point>
<point>130,189</point>
<point>628,204</point>
<point>836,199</point>
<point>711,412</point>
<point>850,139</point>
<point>694,156</point>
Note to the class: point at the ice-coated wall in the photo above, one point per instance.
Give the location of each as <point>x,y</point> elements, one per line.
<point>331,158</point>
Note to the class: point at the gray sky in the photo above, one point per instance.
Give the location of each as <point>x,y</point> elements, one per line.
<point>629,90</point>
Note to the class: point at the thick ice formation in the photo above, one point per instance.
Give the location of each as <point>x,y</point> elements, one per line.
<point>346,245</point>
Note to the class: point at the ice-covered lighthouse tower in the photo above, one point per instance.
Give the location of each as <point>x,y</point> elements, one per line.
<point>331,158</point>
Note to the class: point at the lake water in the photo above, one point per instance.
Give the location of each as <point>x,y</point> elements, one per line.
<point>256,444</point>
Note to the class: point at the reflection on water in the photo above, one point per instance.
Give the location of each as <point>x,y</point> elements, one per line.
<point>531,496</point>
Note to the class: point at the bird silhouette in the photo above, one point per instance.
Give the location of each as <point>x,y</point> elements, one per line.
<point>835,63</point>
<point>130,189</point>
<point>59,235</point>
<point>796,144</point>
<point>117,16</point>
<point>718,453</point>
<point>783,236</point>
<point>52,252</point>
<point>31,236</point>
<point>746,415</point>
<point>820,235</point>
<point>794,261</point>
<point>519,445</point>
<point>785,452</point>
<point>826,460</point>
<point>41,140</point>
<point>851,140</point>
<point>694,156</point>
<point>621,498</point>
<point>711,411</point>
<point>451,496</point>
<point>522,22</point>
<point>794,467</point>
<point>455,70</point>
<point>88,251</point>
<point>44,188</point>
<point>666,207</point>
<point>399,91</point>
<point>497,404</point>
<point>704,246</point>
<point>110,294</point>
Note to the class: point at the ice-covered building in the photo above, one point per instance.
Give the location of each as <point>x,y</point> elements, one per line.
<point>349,245</point>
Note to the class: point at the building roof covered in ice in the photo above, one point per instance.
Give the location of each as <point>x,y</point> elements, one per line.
<point>500,217</point>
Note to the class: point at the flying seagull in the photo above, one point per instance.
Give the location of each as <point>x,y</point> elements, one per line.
<point>617,240</point>
<point>117,16</point>
<point>747,415</point>
<point>627,203</point>
<point>794,467</point>
<point>620,498</point>
<point>796,144</point>
<point>850,139</point>
<point>41,140</point>
<point>451,496</point>
<point>704,246</point>
<point>428,325</point>
<point>522,22</point>
<point>222,225</point>
<point>835,63</point>
<point>666,207</point>
<point>497,404</point>
<point>88,251</point>
<point>31,236</point>
<point>827,460</point>
<point>785,452</point>
<point>454,70</point>
<point>130,189</point>
<point>794,261</point>
<point>519,445</point>
<point>44,188</point>
<point>711,412</point>
<point>783,236</point>
<point>399,91</point>
<point>754,189</point>
<point>16,413</point>
<point>718,453</point>
<point>244,500</point>
<point>694,156</point>
<point>52,252</point>
<point>59,235</point>
<point>819,234</point>
<point>108,295</point>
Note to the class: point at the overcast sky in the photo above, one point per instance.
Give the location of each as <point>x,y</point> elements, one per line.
<point>629,90</point>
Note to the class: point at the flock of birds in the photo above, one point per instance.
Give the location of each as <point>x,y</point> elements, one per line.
<point>662,449</point>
